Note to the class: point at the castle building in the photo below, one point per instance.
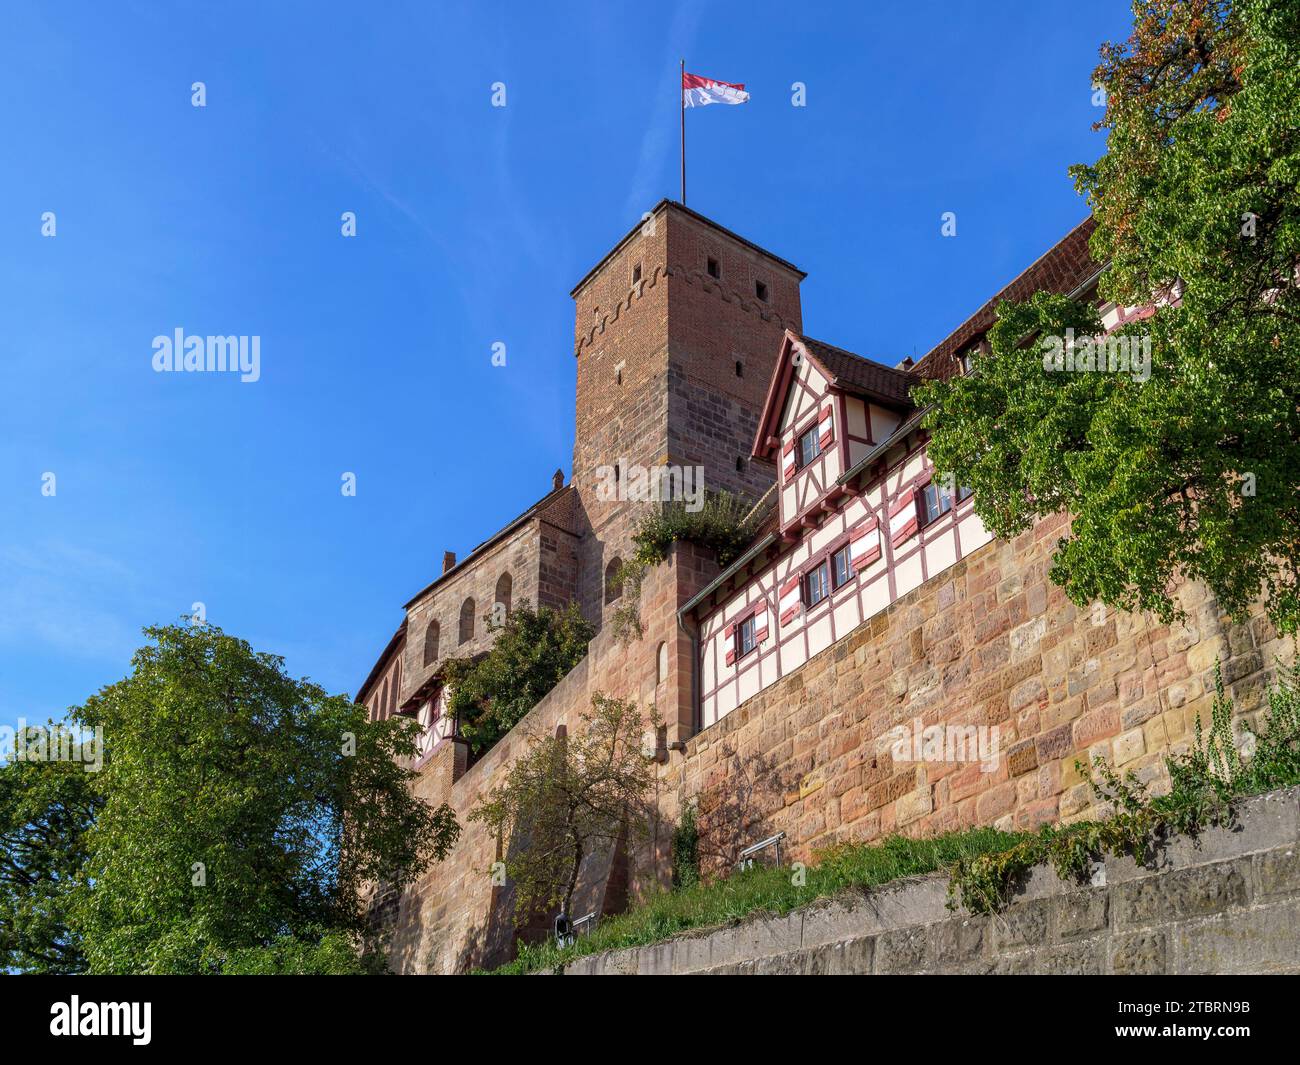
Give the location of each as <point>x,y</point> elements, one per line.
<point>871,598</point>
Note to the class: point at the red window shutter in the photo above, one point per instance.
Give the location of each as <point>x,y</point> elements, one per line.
<point>903,501</point>
<point>825,414</point>
<point>760,635</point>
<point>790,585</point>
<point>731,658</point>
<point>788,615</point>
<point>825,438</point>
<point>789,472</point>
<point>863,561</point>
<point>729,630</point>
<point>906,532</point>
<point>789,446</point>
<point>866,527</point>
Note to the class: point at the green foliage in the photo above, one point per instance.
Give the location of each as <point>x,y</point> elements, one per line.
<point>1204,785</point>
<point>333,954</point>
<point>237,809</point>
<point>1194,473</point>
<point>725,524</point>
<point>766,889</point>
<point>532,652</point>
<point>565,798</point>
<point>46,810</point>
<point>686,850</point>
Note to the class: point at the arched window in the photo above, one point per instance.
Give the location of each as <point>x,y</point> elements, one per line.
<point>467,621</point>
<point>613,580</point>
<point>381,708</point>
<point>431,643</point>
<point>504,585</point>
<point>661,673</point>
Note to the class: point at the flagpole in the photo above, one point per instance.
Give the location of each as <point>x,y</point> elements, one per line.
<point>681,100</point>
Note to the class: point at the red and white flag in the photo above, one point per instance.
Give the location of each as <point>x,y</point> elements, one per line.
<point>699,92</point>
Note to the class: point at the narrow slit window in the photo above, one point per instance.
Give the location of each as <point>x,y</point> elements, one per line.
<point>715,271</point>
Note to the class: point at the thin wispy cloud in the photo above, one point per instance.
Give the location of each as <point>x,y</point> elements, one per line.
<point>659,134</point>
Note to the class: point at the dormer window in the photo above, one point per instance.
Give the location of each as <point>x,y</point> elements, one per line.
<point>810,446</point>
<point>715,271</point>
<point>760,290</point>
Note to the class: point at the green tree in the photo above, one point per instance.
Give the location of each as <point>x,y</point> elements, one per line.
<point>532,652</point>
<point>1194,472</point>
<point>238,814</point>
<point>46,809</point>
<point>568,797</point>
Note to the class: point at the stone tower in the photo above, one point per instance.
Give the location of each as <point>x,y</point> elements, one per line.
<point>677,331</point>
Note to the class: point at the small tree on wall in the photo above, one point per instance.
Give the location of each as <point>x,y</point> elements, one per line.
<point>569,797</point>
<point>531,653</point>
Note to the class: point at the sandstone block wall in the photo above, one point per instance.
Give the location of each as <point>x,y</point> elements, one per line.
<point>988,642</point>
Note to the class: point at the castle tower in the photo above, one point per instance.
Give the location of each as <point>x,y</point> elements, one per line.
<point>677,330</point>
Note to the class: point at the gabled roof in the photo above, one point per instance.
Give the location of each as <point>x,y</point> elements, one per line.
<point>853,373</point>
<point>844,370</point>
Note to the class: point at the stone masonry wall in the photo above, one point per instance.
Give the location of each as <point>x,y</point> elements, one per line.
<point>988,642</point>
<point>454,918</point>
<point>1228,902</point>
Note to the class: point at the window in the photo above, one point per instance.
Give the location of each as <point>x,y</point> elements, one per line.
<point>431,643</point>
<point>505,585</point>
<point>937,500</point>
<point>810,446</point>
<point>613,580</point>
<point>816,585</point>
<point>740,464</point>
<point>745,641</point>
<point>467,621</point>
<point>636,273</point>
<point>661,664</point>
<point>841,567</point>
<point>760,290</point>
<point>715,271</point>
<point>740,368</point>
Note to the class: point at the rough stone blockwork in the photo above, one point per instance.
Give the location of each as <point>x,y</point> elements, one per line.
<point>1226,903</point>
<point>989,642</point>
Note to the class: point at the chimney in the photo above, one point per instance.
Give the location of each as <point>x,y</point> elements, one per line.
<point>448,561</point>
<point>557,480</point>
<point>906,364</point>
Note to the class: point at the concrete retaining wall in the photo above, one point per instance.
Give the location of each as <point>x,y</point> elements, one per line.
<point>1228,902</point>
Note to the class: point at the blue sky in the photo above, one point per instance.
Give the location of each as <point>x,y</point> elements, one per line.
<point>473,223</point>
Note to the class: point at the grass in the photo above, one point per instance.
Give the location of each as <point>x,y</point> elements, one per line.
<point>769,890</point>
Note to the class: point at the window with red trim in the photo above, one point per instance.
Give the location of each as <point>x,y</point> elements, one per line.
<point>810,446</point>
<point>935,500</point>
<point>816,584</point>
<point>746,639</point>
<point>841,567</point>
